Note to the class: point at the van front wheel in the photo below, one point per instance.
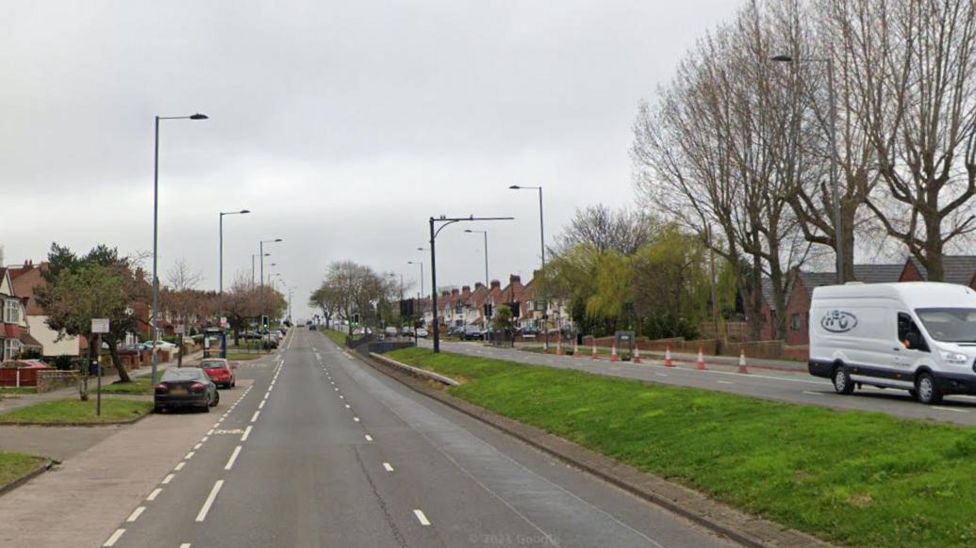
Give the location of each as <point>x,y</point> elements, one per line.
<point>842,381</point>
<point>926,389</point>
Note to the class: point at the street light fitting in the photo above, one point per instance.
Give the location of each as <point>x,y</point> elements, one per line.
<point>199,116</point>
<point>243,211</point>
<point>514,187</point>
<point>782,58</point>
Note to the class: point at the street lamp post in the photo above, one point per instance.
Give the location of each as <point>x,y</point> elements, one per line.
<point>421,263</point>
<point>433,262</point>
<point>262,255</point>
<point>220,294</point>
<point>832,135</point>
<point>155,276</point>
<point>542,245</point>
<point>485,234</point>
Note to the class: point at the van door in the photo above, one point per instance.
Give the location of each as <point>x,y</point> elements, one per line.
<point>909,354</point>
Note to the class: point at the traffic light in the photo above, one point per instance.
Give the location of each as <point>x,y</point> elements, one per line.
<point>487,310</point>
<point>264,321</point>
<point>515,309</point>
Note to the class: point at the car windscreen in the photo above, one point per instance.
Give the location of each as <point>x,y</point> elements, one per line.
<point>182,374</point>
<point>949,324</point>
<point>211,364</point>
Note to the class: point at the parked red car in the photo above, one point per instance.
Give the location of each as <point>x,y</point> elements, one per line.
<point>220,371</point>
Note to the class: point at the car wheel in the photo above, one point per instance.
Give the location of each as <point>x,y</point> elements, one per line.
<point>159,409</point>
<point>216,399</point>
<point>842,381</point>
<point>234,384</point>
<point>927,391</point>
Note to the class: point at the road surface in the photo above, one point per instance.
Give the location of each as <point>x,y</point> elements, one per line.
<point>322,450</point>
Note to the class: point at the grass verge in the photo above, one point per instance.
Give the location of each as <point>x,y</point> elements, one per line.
<point>243,356</point>
<point>337,337</point>
<point>852,477</point>
<point>69,411</point>
<point>14,466</point>
<point>140,385</point>
<point>15,390</point>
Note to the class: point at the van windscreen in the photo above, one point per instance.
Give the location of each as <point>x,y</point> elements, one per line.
<point>955,325</point>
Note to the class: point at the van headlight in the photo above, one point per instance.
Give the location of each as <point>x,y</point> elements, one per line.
<point>954,358</point>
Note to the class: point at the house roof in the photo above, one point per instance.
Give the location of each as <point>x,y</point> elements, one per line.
<point>866,273</point>
<point>25,279</point>
<point>959,269</point>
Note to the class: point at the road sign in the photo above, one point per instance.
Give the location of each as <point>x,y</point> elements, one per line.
<point>223,322</point>
<point>179,329</point>
<point>100,325</point>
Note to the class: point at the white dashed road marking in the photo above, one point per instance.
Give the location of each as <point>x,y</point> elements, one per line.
<point>135,514</point>
<point>247,432</point>
<point>167,479</point>
<point>369,438</point>
<point>202,515</point>
<point>155,493</point>
<point>254,417</point>
<point>421,517</point>
<point>388,466</point>
<point>233,457</point>
<point>114,538</point>
<point>179,466</point>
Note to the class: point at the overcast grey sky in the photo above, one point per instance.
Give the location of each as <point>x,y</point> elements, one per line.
<point>343,126</point>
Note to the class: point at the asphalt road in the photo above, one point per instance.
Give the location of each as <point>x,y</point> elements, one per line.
<point>322,450</point>
<point>782,386</point>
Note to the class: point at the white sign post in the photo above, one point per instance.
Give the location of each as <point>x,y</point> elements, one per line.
<point>98,327</point>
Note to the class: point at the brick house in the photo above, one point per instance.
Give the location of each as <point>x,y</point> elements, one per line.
<point>14,331</point>
<point>26,279</point>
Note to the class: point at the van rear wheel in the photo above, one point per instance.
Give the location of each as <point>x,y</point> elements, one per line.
<point>842,381</point>
<point>926,390</point>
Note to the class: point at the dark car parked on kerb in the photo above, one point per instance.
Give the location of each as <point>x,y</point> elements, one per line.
<point>185,387</point>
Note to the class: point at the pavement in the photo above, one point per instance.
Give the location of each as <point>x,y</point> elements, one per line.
<point>793,387</point>
<point>326,451</point>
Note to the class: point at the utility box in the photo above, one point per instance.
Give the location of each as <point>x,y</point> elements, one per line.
<point>625,339</point>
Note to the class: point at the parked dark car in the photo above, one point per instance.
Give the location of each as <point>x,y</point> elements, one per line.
<point>473,333</point>
<point>183,387</point>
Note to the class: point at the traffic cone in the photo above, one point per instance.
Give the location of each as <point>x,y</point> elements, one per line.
<point>701,359</point>
<point>667,357</point>
<point>595,357</point>
<point>742,362</point>
<point>636,355</point>
<point>559,347</point>
<point>613,353</point>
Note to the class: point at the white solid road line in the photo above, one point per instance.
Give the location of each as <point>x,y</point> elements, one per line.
<point>809,393</point>
<point>726,382</point>
<point>179,466</point>
<point>388,466</point>
<point>369,438</point>
<point>247,432</point>
<point>167,479</point>
<point>421,517</point>
<point>254,417</point>
<point>185,545</point>
<point>202,515</point>
<point>155,493</point>
<point>114,538</point>
<point>233,457</point>
<point>135,514</point>
<point>949,409</point>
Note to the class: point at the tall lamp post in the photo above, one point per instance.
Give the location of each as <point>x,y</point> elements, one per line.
<point>421,263</point>
<point>832,135</point>
<point>261,254</point>
<point>155,276</point>
<point>220,294</point>
<point>485,234</point>
<point>542,245</point>
<point>444,222</point>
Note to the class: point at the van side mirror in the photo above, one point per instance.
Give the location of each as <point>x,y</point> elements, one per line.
<point>914,340</point>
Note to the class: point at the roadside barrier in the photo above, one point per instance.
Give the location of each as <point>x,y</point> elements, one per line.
<point>636,358</point>
<point>595,357</point>
<point>668,362</point>
<point>701,359</point>
<point>559,347</point>
<point>576,352</point>
<point>742,362</point>
<point>613,354</point>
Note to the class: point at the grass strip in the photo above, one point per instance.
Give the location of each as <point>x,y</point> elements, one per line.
<point>14,466</point>
<point>71,411</point>
<point>139,385</point>
<point>12,390</point>
<point>858,478</point>
<point>243,356</point>
<point>337,337</point>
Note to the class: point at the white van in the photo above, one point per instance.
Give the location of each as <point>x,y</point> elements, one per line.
<point>916,336</point>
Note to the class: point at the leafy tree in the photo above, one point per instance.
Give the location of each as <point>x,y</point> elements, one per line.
<point>502,319</point>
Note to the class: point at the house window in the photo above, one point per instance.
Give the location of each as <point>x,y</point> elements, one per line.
<point>12,311</point>
<point>11,349</point>
<point>796,322</point>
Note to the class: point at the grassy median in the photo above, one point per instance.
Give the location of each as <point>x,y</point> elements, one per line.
<point>70,411</point>
<point>337,337</point>
<point>14,466</point>
<point>853,477</point>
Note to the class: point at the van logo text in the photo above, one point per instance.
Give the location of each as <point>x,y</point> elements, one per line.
<point>838,321</point>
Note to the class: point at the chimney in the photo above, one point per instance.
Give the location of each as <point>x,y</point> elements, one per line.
<point>478,285</point>
<point>514,279</point>
<point>495,284</point>
<point>465,291</point>
<point>445,294</point>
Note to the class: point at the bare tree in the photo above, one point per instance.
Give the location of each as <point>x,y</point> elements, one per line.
<point>624,231</point>
<point>914,64</point>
